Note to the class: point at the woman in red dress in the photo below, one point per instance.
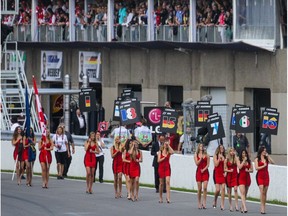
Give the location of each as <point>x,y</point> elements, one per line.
<point>219,175</point>
<point>202,161</point>
<point>126,166</point>
<point>244,180</point>
<point>17,140</point>
<point>45,158</point>
<point>230,167</point>
<point>262,177</point>
<point>134,172</point>
<point>164,169</point>
<point>91,148</point>
<point>116,154</point>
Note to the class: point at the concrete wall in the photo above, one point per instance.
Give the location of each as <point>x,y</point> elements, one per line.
<point>236,71</point>
<point>183,171</point>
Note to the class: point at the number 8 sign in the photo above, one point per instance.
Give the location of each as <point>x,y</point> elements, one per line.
<point>129,112</point>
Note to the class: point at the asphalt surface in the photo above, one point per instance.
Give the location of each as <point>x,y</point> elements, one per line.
<point>68,197</point>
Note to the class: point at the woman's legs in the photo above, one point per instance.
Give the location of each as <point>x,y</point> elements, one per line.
<point>128,186</point>
<point>199,192</point>
<point>222,195</point>
<point>205,183</point>
<point>28,167</point>
<point>243,197</point>
<point>115,184</point>
<point>132,187</point>
<point>262,205</point>
<point>265,189</point>
<point>168,189</point>
<point>120,185</point>
<point>161,182</point>
<point>92,171</point>
<point>18,172</point>
<point>236,197</point>
<point>229,190</point>
<point>44,171</point>
<point>216,194</point>
<point>88,174</point>
<point>47,173</point>
<point>137,187</point>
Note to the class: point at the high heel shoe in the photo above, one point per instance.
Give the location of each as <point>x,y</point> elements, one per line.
<point>168,201</point>
<point>204,207</point>
<point>214,206</point>
<point>222,209</point>
<point>160,201</point>
<point>236,209</point>
<point>263,212</point>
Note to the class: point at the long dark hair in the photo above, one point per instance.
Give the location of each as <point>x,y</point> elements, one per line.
<point>127,144</point>
<point>15,134</point>
<point>247,155</point>
<point>260,150</point>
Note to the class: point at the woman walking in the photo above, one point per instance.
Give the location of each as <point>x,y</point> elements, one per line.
<point>262,177</point>
<point>244,180</point>
<point>202,161</point>
<point>230,167</point>
<point>45,158</point>
<point>17,142</point>
<point>164,169</point>
<point>116,154</point>
<point>219,175</point>
<point>126,166</point>
<point>134,170</point>
<point>91,148</point>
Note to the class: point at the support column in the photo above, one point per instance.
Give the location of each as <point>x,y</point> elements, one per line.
<point>71,20</point>
<point>192,21</point>
<point>150,30</point>
<point>34,22</point>
<point>86,85</point>
<point>110,20</point>
<point>67,103</point>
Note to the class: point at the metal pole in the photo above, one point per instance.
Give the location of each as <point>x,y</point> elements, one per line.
<point>185,126</point>
<point>71,20</point>
<point>192,21</point>
<point>67,103</point>
<point>34,22</point>
<point>110,20</point>
<point>150,17</point>
<point>86,85</point>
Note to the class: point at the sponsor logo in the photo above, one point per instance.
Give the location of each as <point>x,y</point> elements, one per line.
<point>155,116</point>
<point>244,121</point>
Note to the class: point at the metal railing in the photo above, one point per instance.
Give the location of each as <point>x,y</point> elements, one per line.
<point>134,33</point>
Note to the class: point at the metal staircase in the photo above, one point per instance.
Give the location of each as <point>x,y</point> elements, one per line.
<point>13,84</point>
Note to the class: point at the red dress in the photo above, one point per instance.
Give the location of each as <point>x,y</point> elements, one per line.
<point>164,169</point>
<point>45,156</point>
<point>218,173</point>
<point>262,176</point>
<point>231,177</point>
<point>135,167</point>
<point>126,166</point>
<point>243,176</point>
<point>90,157</point>
<point>117,162</point>
<point>201,177</point>
<point>25,154</point>
<point>16,149</point>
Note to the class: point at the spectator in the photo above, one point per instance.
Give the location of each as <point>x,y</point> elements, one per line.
<point>99,157</point>
<point>122,133</point>
<point>143,135</point>
<point>79,123</point>
<point>240,142</point>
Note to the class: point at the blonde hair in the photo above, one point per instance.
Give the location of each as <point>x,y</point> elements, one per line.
<point>229,157</point>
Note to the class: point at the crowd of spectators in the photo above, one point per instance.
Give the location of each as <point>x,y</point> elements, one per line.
<point>127,13</point>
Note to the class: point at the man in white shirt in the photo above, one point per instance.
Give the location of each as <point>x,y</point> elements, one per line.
<point>143,134</point>
<point>100,157</point>
<point>122,132</point>
<point>79,123</point>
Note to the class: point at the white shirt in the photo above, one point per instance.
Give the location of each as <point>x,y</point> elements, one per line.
<point>81,121</point>
<point>143,133</point>
<point>100,149</point>
<point>14,126</point>
<point>124,134</point>
<point>60,140</point>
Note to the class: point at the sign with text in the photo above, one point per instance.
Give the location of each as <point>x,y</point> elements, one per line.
<point>244,120</point>
<point>90,65</point>
<point>153,116</point>
<point>269,122</point>
<point>51,66</point>
<point>201,113</point>
<point>169,121</point>
<point>87,100</point>
<point>129,112</point>
<point>215,127</point>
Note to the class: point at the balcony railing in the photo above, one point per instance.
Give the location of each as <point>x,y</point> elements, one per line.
<point>137,33</point>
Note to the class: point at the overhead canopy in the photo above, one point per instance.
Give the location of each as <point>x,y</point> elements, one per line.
<point>181,46</point>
